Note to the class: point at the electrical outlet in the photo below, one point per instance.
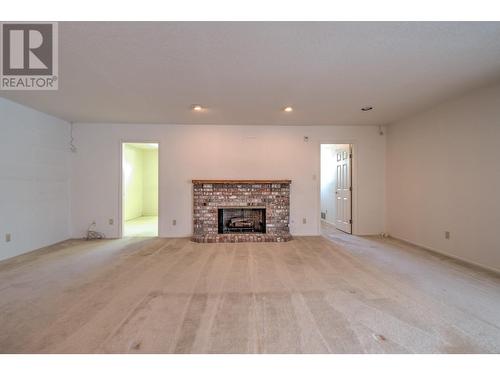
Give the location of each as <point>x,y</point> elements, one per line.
<point>304,221</point>
<point>447,235</point>
<point>7,237</point>
<point>174,222</point>
<point>111,221</point>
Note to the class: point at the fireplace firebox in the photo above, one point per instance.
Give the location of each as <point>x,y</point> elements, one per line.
<point>242,220</point>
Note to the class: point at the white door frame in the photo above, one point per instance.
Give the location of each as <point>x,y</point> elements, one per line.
<point>354,182</point>
<point>120,182</point>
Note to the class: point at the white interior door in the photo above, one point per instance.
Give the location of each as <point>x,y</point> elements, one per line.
<point>343,189</point>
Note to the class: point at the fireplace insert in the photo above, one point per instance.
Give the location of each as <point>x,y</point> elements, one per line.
<point>242,220</point>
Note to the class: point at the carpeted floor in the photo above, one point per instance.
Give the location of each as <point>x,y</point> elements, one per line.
<point>344,294</point>
<point>143,226</point>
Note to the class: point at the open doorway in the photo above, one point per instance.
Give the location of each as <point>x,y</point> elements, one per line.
<point>140,189</point>
<point>336,188</point>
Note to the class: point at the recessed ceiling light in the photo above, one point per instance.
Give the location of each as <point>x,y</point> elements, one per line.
<point>197,108</point>
<point>367,108</point>
<point>288,109</point>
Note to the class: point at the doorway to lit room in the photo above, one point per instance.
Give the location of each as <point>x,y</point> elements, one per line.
<point>336,188</point>
<point>140,189</point>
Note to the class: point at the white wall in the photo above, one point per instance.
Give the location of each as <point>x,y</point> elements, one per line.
<point>328,182</point>
<point>150,183</point>
<point>133,182</point>
<point>444,175</point>
<point>205,151</point>
<point>34,179</point>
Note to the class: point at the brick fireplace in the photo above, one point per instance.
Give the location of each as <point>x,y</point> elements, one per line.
<point>241,210</point>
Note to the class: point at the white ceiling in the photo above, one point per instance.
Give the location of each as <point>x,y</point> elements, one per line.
<point>246,72</point>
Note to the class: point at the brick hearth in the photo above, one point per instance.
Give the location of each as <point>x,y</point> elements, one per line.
<point>210,195</point>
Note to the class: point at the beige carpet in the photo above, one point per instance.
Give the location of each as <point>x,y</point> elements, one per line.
<point>310,295</point>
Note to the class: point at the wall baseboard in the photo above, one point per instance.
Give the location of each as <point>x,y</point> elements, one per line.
<point>463,261</point>
<point>41,250</point>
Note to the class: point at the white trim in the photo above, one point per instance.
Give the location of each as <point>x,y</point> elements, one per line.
<point>452,256</point>
<point>120,183</point>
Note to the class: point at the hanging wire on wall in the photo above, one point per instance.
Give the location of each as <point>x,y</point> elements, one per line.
<point>380,130</point>
<point>72,147</point>
<point>92,234</point>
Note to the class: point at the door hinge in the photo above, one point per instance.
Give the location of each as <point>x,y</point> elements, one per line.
<point>350,156</point>
<point>350,188</point>
<point>350,221</point>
